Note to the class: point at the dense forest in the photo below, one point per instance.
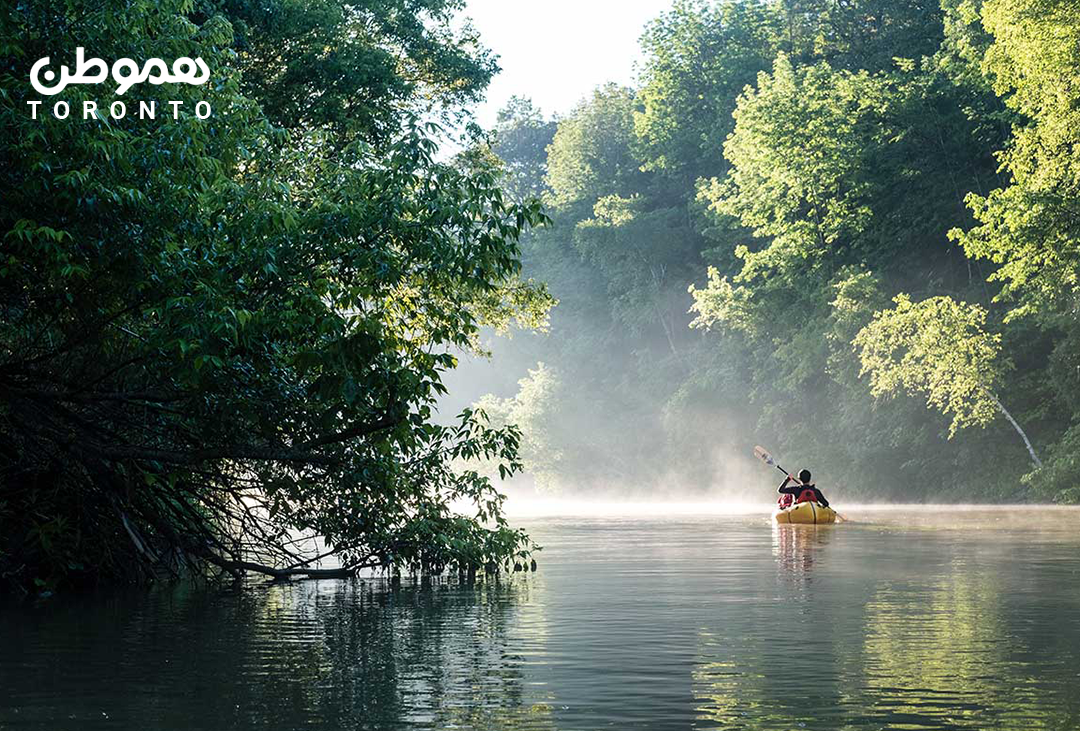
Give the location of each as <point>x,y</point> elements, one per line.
<point>849,230</point>
<point>222,337</point>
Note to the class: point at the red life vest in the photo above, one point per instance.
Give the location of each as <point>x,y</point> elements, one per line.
<point>807,496</point>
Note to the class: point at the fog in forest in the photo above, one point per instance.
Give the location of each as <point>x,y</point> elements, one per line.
<point>794,229</point>
<point>725,469</point>
<point>846,232</point>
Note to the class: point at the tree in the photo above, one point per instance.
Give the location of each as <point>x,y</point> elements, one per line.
<point>799,177</point>
<point>858,35</point>
<point>358,67</point>
<point>1030,226</point>
<point>698,59</point>
<point>522,136</point>
<point>643,256</point>
<point>534,410</point>
<point>217,336</point>
<point>939,348</point>
<point>590,155</point>
<point>841,188</point>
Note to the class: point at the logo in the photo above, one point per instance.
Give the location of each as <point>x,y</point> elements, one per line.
<point>126,73</point>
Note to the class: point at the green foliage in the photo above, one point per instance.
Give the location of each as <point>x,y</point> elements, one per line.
<point>938,348</point>
<point>217,335</point>
<point>357,67</point>
<point>799,173</point>
<point>590,154</point>
<point>811,157</point>
<point>535,411</point>
<point>862,34</point>
<point>722,304</point>
<point>521,143</point>
<point>1057,479</point>
<point>697,61</point>
<point>1029,227</point>
<point>621,241</point>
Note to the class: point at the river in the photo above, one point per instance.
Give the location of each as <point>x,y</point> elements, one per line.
<point>931,618</point>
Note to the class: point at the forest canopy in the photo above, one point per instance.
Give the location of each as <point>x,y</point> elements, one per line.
<point>848,230</point>
<point>871,204</point>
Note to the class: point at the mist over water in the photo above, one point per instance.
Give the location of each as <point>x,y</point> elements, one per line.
<point>579,452</point>
<point>583,442</point>
<point>1015,517</point>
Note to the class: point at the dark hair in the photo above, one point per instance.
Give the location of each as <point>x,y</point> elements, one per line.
<point>804,475</point>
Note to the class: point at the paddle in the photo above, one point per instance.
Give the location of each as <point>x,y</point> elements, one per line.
<point>765,457</point>
<point>763,454</point>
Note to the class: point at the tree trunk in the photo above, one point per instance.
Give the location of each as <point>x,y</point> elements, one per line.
<point>1027,442</point>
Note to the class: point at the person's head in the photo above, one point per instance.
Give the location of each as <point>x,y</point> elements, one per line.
<point>804,477</point>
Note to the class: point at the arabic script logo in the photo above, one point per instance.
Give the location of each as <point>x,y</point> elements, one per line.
<point>125,72</point>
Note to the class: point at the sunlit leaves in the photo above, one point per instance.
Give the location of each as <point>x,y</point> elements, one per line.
<point>535,411</point>
<point>698,59</point>
<point>1030,227</point>
<point>799,176</point>
<point>721,304</point>
<point>938,348</point>
<point>590,156</point>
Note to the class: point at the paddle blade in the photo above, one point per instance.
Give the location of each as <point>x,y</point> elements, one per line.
<point>764,456</point>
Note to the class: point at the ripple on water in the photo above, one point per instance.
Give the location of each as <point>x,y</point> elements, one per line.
<point>951,620</point>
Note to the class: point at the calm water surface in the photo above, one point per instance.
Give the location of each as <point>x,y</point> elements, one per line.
<point>951,620</point>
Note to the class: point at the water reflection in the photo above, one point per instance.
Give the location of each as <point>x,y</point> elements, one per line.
<point>876,627</point>
<point>946,651</point>
<point>765,671</point>
<point>317,654</point>
<point>929,646</point>
<point>796,547</point>
<point>958,622</point>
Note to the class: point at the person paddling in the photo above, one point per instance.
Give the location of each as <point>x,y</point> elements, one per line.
<point>803,484</point>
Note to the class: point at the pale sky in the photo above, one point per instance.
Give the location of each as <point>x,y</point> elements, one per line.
<point>557,51</point>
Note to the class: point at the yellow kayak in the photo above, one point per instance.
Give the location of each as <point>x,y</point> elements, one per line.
<point>807,512</point>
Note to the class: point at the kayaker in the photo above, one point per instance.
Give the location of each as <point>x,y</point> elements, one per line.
<point>802,484</point>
